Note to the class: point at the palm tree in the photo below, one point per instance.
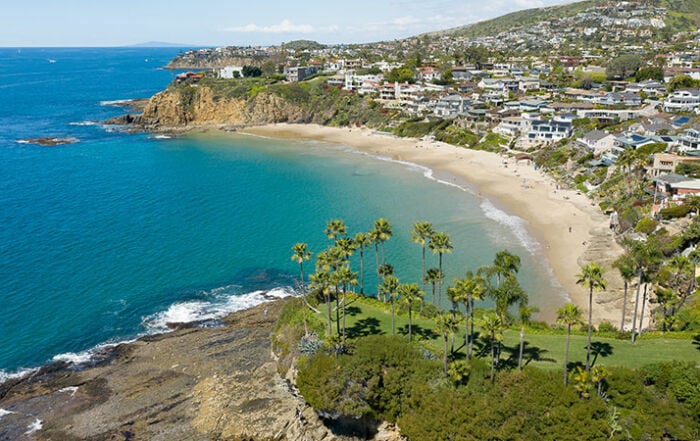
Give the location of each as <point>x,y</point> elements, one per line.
<point>422,231</point>
<point>410,295</point>
<point>568,315</point>
<point>300,253</point>
<point>445,325</point>
<point>433,276</point>
<point>505,263</point>
<point>492,328</point>
<point>383,232</point>
<point>346,277</point>
<point>362,241</point>
<point>440,244</point>
<point>335,229</point>
<point>506,294</point>
<point>525,313</point>
<point>645,255</point>
<point>625,265</point>
<point>388,289</point>
<point>347,246</point>
<point>591,276</point>
<point>321,281</point>
<point>478,287</point>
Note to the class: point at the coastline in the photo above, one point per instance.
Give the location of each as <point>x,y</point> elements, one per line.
<point>570,228</point>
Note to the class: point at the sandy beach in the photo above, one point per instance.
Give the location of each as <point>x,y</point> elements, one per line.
<point>571,229</point>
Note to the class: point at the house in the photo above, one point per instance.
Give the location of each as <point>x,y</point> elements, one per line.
<point>545,132</point>
<point>528,84</point>
<point>461,73</point>
<point>597,141</point>
<point>685,100</point>
<point>428,74</point>
<point>511,126</point>
<point>451,106</point>
<point>666,163</point>
<point>690,141</point>
<point>532,105</point>
<point>626,142</point>
<point>629,99</point>
<point>296,74</point>
<point>189,76</point>
<point>230,72</point>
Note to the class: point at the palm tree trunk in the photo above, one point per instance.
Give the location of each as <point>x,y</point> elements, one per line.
<point>522,347</point>
<point>566,356</point>
<point>466,333</point>
<point>423,274</point>
<point>641,316</point>
<point>636,306</point>
<point>471,329</point>
<point>344,328</point>
<point>376,258</point>
<point>393,321</point>
<point>444,359</point>
<point>624,307</point>
<point>410,324</point>
<point>493,355</point>
<point>440,283</point>
<point>590,326</point>
<point>337,310</point>
<point>330,316</point>
<point>362,270</point>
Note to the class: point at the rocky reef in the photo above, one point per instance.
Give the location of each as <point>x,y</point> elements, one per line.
<point>195,383</point>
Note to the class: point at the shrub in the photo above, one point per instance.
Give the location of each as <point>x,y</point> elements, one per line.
<point>606,326</point>
<point>646,225</point>
<point>674,212</point>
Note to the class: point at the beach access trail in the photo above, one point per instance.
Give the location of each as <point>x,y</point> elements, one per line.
<point>570,227</point>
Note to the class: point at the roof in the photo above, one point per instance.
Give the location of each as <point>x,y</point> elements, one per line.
<point>670,178</point>
<point>595,135</point>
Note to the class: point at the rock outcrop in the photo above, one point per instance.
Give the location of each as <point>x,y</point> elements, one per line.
<point>196,106</point>
<point>216,383</point>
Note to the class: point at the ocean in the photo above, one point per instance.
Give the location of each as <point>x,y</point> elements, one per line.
<point>112,237</point>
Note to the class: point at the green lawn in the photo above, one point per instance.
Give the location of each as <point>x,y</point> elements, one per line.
<point>367,316</point>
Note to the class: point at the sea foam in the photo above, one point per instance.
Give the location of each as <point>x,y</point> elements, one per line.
<point>4,412</point>
<point>35,426</point>
<point>221,304</point>
<point>197,310</point>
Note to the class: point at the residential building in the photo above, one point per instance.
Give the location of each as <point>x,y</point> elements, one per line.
<point>690,141</point>
<point>665,163</point>
<point>230,72</point>
<point>597,141</point>
<point>451,106</point>
<point>685,100</point>
<point>299,73</point>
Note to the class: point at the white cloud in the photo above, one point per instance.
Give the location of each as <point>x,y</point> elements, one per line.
<point>282,27</point>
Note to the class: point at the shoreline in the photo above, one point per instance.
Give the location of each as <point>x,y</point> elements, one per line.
<point>569,227</point>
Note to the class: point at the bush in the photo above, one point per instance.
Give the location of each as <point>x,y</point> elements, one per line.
<point>646,225</point>
<point>674,212</point>
<point>606,326</point>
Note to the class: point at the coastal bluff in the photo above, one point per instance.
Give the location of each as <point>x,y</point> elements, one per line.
<point>195,383</point>
<point>183,108</point>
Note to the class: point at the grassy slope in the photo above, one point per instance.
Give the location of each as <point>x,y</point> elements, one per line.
<point>367,316</point>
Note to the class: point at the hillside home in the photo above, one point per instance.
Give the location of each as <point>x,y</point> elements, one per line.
<point>461,73</point>
<point>685,100</point>
<point>629,99</point>
<point>690,141</point>
<point>428,74</point>
<point>527,84</point>
<point>299,73</point>
<point>451,106</point>
<point>546,132</point>
<point>597,141</point>
<point>665,163</point>
<point>230,72</point>
<point>355,82</point>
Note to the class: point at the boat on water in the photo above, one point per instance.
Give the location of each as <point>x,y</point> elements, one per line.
<point>52,61</point>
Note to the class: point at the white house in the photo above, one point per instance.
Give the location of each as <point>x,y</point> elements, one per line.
<point>229,72</point>
<point>685,100</point>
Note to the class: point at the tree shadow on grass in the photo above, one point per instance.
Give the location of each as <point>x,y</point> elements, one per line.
<point>600,349</point>
<point>364,327</point>
<point>418,332</point>
<point>352,311</point>
<point>696,342</point>
<point>530,353</point>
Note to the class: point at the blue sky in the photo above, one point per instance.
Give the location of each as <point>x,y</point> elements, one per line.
<point>236,22</point>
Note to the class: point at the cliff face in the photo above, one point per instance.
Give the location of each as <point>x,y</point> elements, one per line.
<point>192,106</point>
<point>194,384</point>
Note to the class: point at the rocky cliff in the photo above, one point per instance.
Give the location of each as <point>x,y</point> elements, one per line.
<point>203,383</point>
<point>195,106</point>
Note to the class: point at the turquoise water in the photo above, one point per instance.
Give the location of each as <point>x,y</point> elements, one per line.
<point>110,238</point>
